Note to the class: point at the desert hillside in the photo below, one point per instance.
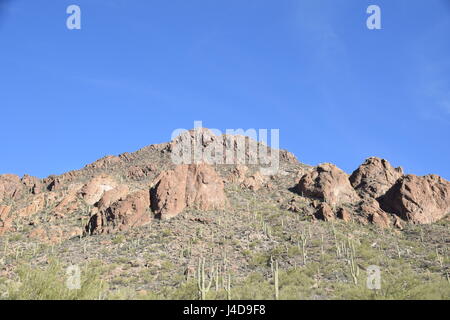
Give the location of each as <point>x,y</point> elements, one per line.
<point>140,226</point>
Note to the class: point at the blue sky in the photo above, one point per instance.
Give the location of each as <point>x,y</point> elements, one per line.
<point>139,69</point>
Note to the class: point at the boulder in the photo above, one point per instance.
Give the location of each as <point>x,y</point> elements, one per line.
<point>293,205</point>
<point>238,174</point>
<point>5,219</point>
<point>328,183</point>
<point>10,186</point>
<point>374,177</point>
<point>195,185</point>
<point>96,187</point>
<point>344,214</point>
<point>252,181</point>
<point>418,199</point>
<point>131,211</point>
<point>324,212</point>
<point>370,211</point>
<point>113,195</point>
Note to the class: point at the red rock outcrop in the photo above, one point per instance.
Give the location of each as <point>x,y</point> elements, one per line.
<point>140,172</point>
<point>370,211</point>
<point>325,212</point>
<point>327,183</point>
<point>10,186</point>
<point>417,199</point>
<point>67,204</point>
<point>5,219</point>
<point>344,214</point>
<point>238,174</point>
<point>35,205</point>
<point>374,177</point>
<point>203,145</point>
<point>252,181</point>
<point>113,195</point>
<point>131,211</point>
<point>105,162</point>
<point>33,184</point>
<point>94,189</point>
<point>195,185</point>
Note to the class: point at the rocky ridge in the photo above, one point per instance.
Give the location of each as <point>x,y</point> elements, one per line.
<point>118,193</point>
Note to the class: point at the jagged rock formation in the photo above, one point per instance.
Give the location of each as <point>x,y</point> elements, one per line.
<point>418,199</point>
<point>93,191</point>
<point>327,183</point>
<point>195,185</point>
<point>374,177</point>
<point>5,219</point>
<point>127,212</point>
<point>121,192</point>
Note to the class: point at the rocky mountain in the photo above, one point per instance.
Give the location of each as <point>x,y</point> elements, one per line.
<point>132,189</point>
<point>136,192</point>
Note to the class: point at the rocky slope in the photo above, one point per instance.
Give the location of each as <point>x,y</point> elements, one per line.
<point>145,196</point>
<point>130,190</point>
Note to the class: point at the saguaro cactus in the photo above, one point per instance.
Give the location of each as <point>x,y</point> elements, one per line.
<point>228,287</point>
<point>304,242</point>
<point>354,268</point>
<point>275,280</point>
<point>203,288</point>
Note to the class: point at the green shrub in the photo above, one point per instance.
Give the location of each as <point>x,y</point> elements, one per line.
<point>49,284</point>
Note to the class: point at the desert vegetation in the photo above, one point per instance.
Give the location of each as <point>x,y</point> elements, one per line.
<point>136,226</point>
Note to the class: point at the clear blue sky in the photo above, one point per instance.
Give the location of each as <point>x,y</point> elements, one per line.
<point>139,69</point>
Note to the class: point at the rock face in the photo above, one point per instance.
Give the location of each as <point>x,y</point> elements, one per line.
<point>344,214</point>
<point>140,172</point>
<point>238,174</point>
<point>121,192</point>
<point>94,189</point>
<point>418,199</point>
<point>5,219</point>
<point>131,211</point>
<point>325,212</point>
<point>252,181</point>
<point>33,184</point>
<point>374,177</point>
<point>68,204</point>
<point>111,196</point>
<point>35,205</point>
<point>10,186</point>
<point>104,162</point>
<point>327,183</point>
<point>370,211</point>
<point>195,185</point>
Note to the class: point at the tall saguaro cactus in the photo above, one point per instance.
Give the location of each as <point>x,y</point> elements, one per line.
<point>203,288</point>
<point>302,245</point>
<point>275,280</point>
<point>354,269</point>
<point>228,287</point>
